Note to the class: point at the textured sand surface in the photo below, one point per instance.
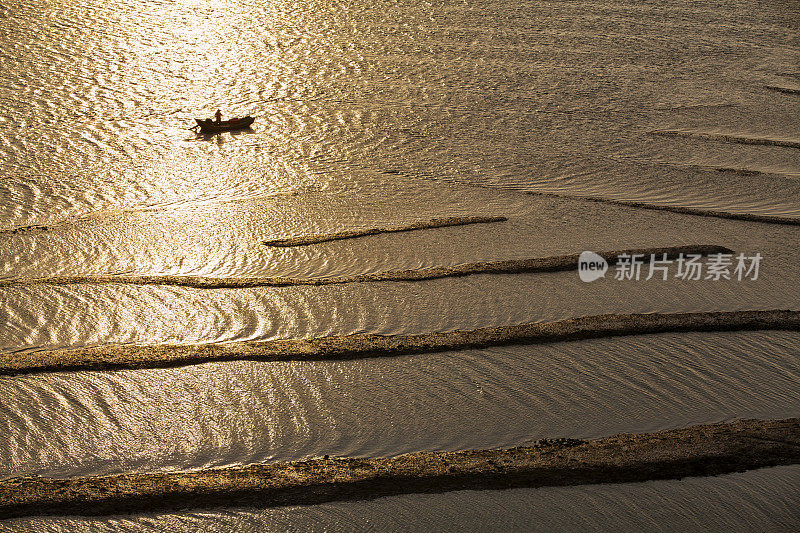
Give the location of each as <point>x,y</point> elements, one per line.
<point>368,345</point>
<point>694,451</point>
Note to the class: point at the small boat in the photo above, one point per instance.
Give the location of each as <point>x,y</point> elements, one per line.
<point>208,125</point>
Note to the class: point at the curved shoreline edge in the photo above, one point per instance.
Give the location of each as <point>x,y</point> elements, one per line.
<point>304,240</point>
<point>360,346</point>
<point>512,266</point>
<point>703,450</point>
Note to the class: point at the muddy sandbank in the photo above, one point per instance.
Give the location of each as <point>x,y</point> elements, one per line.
<point>114,357</point>
<point>702,450</point>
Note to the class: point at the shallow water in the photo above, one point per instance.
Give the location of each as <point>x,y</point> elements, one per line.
<point>220,414</point>
<point>560,97</point>
<point>385,113</point>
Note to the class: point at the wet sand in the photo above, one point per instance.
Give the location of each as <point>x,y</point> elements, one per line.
<point>304,240</point>
<point>703,450</point>
<point>512,266</point>
<point>367,345</point>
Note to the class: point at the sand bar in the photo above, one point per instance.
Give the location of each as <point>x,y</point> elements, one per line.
<point>511,266</point>
<point>305,240</point>
<point>702,450</point>
<point>114,357</point>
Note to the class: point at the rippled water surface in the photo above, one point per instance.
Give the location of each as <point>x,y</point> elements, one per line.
<point>383,113</point>
<point>220,414</point>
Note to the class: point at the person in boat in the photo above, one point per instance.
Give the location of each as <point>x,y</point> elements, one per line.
<point>218,116</point>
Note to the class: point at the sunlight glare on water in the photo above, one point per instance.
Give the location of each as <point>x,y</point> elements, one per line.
<point>375,114</point>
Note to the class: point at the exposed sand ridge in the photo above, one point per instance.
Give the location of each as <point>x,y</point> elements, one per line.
<point>694,451</point>
<point>511,266</point>
<point>696,211</point>
<point>367,345</point>
<point>304,240</point>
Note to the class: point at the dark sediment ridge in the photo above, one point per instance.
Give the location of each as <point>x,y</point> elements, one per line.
<point>304,240</point>
<point>741,139</point>
<point>369,345</point>
<point>703,450</point>
<point>25,230</point>
<point>511,266</point>
<point>697,211</point>
<point>742,171</point>
<point>785,90</point>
